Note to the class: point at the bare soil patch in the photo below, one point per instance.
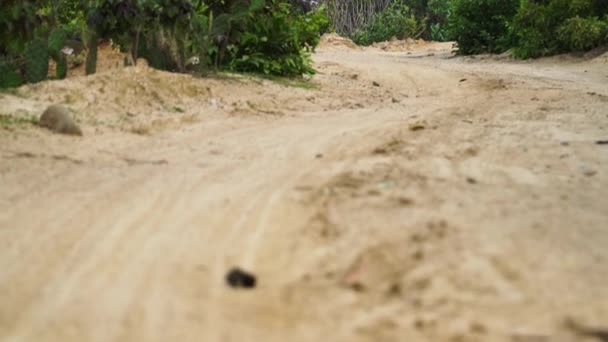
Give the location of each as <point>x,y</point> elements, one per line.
<point>402,194</point>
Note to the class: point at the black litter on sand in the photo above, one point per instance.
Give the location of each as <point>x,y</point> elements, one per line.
<point>238,278</point>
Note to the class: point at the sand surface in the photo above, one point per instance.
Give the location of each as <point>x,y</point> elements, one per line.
<point>400,195</point>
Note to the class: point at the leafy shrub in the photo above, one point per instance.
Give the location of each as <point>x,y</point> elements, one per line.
<point>176,35</point>
<point>278,42</point>
<point>438,14</point>
<point>9,75</point>
<point>395,21</point>
<point>56,42</point>
<point>439,32</point>
<point>557,26</point>
<point>481,25</point>
<point>243,35</point>
<point>532,32</point>
<point>168,33</point>
<point>18,21</point>
<point>580,34</point>
<point>70,15</point>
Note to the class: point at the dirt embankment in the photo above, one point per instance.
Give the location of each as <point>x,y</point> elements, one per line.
<point>401,195</point>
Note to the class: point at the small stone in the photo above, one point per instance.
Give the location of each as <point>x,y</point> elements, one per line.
<point>478,328</point>
<point>405,201</point>
<point>417,302</point>
<point>417,238</point>
<point>357,287</point>
<point>375,84</point>
<point>418,255</point>
<point>418,126</point>
<point>238,278</point>
<point>394,290</point>
<point>57,118</point>
<point>589,173</point>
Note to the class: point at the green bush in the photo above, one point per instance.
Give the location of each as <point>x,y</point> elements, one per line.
<point>36,60</point>
<point>70,16</point>
<point>9,75</point>
<point>17,25</point>
<point>581,34</point>
<point>175,35</point>
<point>277,41</point>
<point>532,32</point>
<point>438,14</point>
<point>242,35</point>
<point>557,26</point>
<point>396,21</point>
<point>56,42</point>
<point>481,25</point>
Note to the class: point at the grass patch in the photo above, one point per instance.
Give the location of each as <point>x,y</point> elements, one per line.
<point>7,121</point>
<point>294,82</point>
<point>224,76</point>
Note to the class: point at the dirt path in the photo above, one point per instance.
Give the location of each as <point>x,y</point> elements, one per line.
<point>408,196</point>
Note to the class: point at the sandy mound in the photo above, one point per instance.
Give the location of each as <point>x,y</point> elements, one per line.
<point>144,100</point>
<point>395,44</point>
<point>332,41</point>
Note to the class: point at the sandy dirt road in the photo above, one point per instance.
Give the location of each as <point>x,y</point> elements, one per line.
<point>407,196</point>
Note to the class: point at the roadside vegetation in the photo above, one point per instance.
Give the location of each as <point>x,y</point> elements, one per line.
<point>525,28</point>
<point>262,36</point>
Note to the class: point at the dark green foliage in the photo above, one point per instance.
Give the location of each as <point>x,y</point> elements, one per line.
<point>313,25</point>
<point>581,34</point>
<point>56,42</point>
<point>419,8</point>
<point>36,60</point>
<point>71,16</point>
<point>242,35</point>
<point>175,35</point>
<point>61,69</point>
<point>165,25</point>
<point>481,25</point>
<point>18,22</point>
<point>91,63</point>
<point>438,12</point>
<point>533,32</point>
<point>276,41</point>
<point>157,56</point>
<point>396,21</point>
<point>9,75</point>
<point>541,29</point>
